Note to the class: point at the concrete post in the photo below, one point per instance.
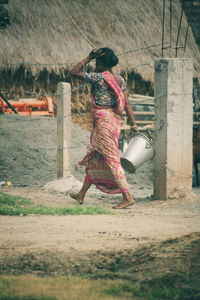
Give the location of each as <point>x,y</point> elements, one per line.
<point>63,130</point>
<point>173,126</point>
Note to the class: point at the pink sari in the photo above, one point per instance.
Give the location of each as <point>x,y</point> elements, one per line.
<point>102,161</point>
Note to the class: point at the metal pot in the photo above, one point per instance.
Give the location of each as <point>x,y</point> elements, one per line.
<point>139,150</point>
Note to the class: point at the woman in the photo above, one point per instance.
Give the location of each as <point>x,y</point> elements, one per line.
<point>109,97</point>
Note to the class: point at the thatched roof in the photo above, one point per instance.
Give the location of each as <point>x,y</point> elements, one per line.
<point>57,33</point>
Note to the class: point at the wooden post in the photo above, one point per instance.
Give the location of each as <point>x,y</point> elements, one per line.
<point>63,130</point>
<point>173,126</point>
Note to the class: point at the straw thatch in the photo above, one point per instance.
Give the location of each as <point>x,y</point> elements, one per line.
<point>54,34</point>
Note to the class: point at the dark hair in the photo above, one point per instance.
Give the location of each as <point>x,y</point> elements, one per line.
<point>109,59</point>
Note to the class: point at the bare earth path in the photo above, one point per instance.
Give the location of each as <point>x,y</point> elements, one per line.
<point>147,221</point>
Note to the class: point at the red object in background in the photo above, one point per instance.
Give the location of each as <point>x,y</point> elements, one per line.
<point>29,107</point>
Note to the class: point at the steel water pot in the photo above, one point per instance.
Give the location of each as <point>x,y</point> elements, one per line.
<point>139,150</point>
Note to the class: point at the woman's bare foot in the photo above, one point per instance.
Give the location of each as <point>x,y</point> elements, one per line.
<point>77,197</point>
<point>124,204</point>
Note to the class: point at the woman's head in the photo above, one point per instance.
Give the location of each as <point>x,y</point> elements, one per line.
<point>108,59</point>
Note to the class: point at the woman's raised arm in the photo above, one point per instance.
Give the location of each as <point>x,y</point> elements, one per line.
<point>77,69</point>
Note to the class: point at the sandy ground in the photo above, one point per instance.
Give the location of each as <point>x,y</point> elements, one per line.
<point>28,160</point>
<point>146,222</point>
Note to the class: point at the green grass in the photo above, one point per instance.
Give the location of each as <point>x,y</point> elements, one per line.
<point>176,286</point>
<point>16,205</point>
<point>10,200</point>
<point>26,298</point>
<point>31,287</point>
<point>143,291</point>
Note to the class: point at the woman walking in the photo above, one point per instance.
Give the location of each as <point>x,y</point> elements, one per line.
<point>109,98</point>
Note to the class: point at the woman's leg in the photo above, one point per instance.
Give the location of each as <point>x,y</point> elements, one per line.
<point>127,201</point>
<point>79,197</point>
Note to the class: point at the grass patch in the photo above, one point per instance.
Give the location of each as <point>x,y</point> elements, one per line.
<point>143,291</point>
<point>168,287</point>
<point>30,287</point>
<point>16,205</point>
<point>26,298</point>
<point>44,210</point>
<point>11,200</point>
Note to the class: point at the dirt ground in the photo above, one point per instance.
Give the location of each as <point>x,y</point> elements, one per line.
<point>84,243</point>
<point>75,237</point>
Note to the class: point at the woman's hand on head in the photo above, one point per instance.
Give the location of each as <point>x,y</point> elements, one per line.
<point>95,53</point>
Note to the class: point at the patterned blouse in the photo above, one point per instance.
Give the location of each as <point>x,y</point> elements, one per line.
<point>103,94</point>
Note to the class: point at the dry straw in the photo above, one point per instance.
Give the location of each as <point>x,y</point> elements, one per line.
<point>57,33</point>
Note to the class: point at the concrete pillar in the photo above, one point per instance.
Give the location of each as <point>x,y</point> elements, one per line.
<point>63,130</point>
<point>173,126</point>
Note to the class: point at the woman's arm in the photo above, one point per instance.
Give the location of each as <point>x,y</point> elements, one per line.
<point>129,112</point>
<point>77,70</point>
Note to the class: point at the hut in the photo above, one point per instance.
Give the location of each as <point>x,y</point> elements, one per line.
<point>43,39</point>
